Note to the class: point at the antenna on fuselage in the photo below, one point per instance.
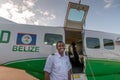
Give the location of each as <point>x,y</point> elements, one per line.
<point>79,1</point>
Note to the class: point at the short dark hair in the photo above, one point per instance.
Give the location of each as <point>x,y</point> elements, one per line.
<point>59,42</point>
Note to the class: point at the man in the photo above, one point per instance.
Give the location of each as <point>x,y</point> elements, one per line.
<point>58,65</point>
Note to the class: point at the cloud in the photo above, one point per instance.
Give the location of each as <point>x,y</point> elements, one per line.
<point>111,4</point>
<point>17,13</point>
<point>24,12</point>
<point>45,17</point>
<point>108,3</point>
<point>29,3</point>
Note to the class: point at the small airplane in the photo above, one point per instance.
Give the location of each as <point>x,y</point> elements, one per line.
<point>26,47</point>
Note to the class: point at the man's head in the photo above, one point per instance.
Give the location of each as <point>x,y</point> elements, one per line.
<point>60,46</point>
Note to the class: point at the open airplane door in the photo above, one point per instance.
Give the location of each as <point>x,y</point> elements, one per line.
<point>73,25</point>
<point>75,15</point>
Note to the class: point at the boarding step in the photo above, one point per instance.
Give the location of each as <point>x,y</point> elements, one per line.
<point>78,76</point>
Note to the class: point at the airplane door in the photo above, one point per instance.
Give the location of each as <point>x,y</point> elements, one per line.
<point>73,26</point>
<point>75,15</point>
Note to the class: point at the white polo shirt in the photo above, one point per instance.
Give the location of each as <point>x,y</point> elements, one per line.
<point>58,66</point>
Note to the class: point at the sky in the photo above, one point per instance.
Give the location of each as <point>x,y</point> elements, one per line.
<point>103,15</point>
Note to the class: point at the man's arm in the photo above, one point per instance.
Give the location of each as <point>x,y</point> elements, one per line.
<point>47,76</point>
<point>69,75</point>
<point>48,68</point>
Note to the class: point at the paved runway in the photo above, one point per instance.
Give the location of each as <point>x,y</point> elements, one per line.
<point>14,74</point>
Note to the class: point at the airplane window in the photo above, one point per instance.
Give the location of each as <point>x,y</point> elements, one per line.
<point>52,39</point>
<point>93,43</point>
<point>108,44</point>
<point>76,15</point>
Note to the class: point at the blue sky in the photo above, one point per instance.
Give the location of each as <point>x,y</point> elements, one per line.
<point>103,15</point>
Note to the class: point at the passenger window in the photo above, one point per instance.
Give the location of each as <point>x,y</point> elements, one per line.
<point>108,44</point>
<point>93,43</point>
<point>52,39</point>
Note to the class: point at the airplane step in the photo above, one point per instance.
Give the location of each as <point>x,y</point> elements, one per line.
<point>79,76</point>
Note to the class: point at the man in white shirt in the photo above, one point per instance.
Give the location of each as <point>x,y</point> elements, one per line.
<point>58,66</point>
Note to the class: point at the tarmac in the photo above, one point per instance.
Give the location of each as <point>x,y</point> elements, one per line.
<point>7,73</point>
